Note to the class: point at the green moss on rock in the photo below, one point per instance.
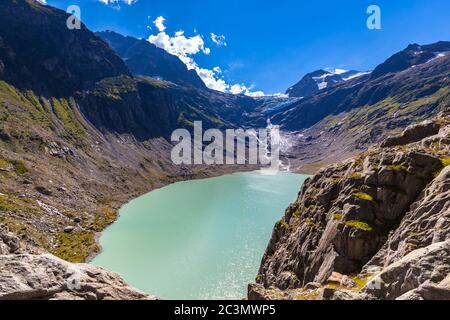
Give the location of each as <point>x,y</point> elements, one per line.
<point>363,196</point>
<point>103,218</point>
<point>356,176</point>
<point>398,168</point>
<point>297,214</point>
<point>283,223</point>
<point>360,225</point>
<point>445,161</point>
<point>75,247</point>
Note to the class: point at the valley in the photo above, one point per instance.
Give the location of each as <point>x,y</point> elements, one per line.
<point>226,221</point>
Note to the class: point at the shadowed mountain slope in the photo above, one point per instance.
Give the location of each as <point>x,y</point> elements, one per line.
<point>145,59</point>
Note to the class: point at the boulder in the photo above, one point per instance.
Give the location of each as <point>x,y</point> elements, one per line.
<point>43,190</point>
<point>429,291</point>
<point>9,243</point>
<point>69,229</point>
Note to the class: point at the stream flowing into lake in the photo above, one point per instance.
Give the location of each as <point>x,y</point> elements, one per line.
<point>200,239</point>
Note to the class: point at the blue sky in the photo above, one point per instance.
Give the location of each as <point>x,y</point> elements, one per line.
<point>272,44</point>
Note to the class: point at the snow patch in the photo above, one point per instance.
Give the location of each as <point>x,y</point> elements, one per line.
<point>356,75</point>
<point>438,55</point>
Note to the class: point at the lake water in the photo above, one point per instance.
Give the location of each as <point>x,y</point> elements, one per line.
<point>201,239</point>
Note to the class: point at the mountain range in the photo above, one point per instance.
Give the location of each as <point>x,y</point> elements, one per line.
<point>145,59</point>
<point>314,82</point>
<point>85,125</point>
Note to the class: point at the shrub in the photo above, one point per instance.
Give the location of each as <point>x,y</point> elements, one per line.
<point>363,196</point>
<point>103,218</point>
<point>283,224</point>
<point>4,164</point>
<point>75,247</point>
<point>358,163</point>
<point>398,168</point>
<point>20,168</point>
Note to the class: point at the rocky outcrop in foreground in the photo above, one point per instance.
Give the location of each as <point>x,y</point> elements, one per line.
<point>26,276</point>
<point>374,227</point>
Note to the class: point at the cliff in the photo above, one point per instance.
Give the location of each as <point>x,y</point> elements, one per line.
<point>376,226</point>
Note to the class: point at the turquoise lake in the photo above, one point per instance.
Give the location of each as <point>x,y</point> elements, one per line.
<point>201,239</point>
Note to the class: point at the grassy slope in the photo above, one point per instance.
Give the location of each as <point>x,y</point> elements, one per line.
<point>81,187</point>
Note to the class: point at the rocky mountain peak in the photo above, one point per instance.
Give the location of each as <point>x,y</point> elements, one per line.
<point>321,79</point>
<point>412,56</point>
<point>39,52</point>
<point>145,59</point>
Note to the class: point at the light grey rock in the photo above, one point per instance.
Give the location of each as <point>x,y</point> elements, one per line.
<point>428,291</point>
<point>419,268</point>
<point>426,222</point>
<point>25,276</point>
<point>9,243</point>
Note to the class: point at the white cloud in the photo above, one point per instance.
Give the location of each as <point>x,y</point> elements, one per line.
<point>243,89</point>
<point>42,1</point>
<point>218,40</point>
<point>212,80</point>
<point>109,2</point>
<point>181,46</point>
<point>159,23</point>
<point>185,47</point>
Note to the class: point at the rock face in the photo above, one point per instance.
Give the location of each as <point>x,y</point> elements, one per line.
<point>319,80</point>
<point>383,217</point>
<point>9,243</point>
<point>413,55</point>
<point>44,276</point>
<point>26,276</point>
<point>416,273</point>
<point>412,134</point>
<point>426,222</point>
<point>429,291</point>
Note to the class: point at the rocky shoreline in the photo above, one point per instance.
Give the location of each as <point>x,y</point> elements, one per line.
<point>44,276</point>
